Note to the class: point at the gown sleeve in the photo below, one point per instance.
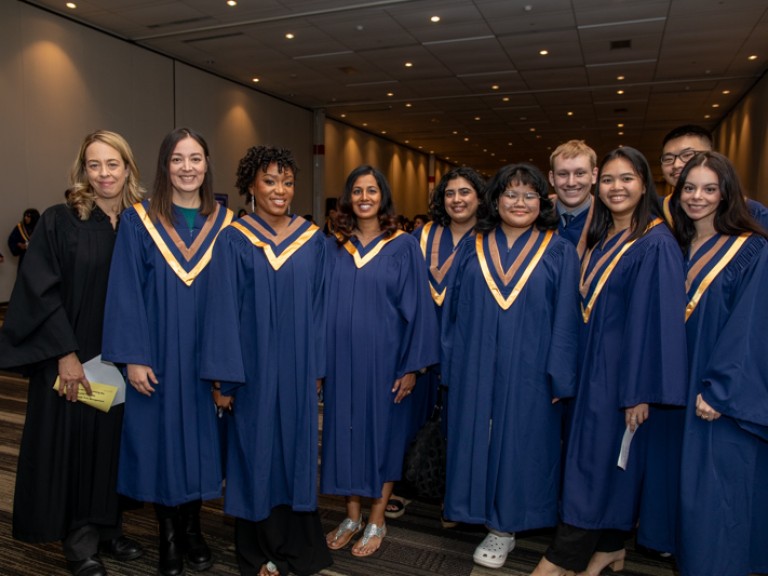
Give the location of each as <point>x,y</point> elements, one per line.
<point>563,351</point>
<point>320,305</point>
<point>14,240</point>
<point>655,369</point>
<point>127,338</point>
<point>419,346</point>
<point>450,307</point>
<point>36,326</point>
<point>735,382</point>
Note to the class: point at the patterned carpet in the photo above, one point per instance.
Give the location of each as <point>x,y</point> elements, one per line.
<point>416,544</point>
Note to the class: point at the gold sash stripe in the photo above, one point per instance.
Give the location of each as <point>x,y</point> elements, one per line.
<point>712,274</point>
<point>23,232</point>
<point>187,277</point>
<point>506,303</point>
<point>361,261</point>
<point>433,260</point>
<point>586,312</point>
<point>277,261</point>
<point>667,211</point>
<point>424,237</point>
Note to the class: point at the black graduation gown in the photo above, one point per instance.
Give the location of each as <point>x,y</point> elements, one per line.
<point>68,456</point>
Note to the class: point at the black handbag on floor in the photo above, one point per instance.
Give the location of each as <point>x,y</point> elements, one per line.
<point>424,466</point>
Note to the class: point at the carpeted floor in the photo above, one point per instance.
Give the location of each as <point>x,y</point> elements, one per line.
<point>416,544</point>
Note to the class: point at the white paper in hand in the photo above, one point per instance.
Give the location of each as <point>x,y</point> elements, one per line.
<point>624,452</point>
<point>98,370</point>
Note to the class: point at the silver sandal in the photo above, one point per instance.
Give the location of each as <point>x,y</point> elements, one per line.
<point>371,531</point>
<point>345,532</point>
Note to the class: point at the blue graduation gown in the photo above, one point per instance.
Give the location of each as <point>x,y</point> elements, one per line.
<point>503,368</point>
<point>439,252</point>
<point>381,326</point>
<point>724,472</point>
<point>632,350</point>
<point>265,341</point>
<point>170,447</point>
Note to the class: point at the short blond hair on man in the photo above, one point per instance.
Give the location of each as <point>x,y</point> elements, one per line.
<point>572,149</point>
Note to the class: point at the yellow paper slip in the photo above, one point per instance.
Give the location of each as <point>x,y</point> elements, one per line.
<point>102,398</point>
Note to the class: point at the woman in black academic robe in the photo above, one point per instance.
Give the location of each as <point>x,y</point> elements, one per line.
<point>67,471</point>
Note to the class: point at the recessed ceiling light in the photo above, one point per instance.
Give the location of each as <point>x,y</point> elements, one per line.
<point>569,113</point>
<point>254,80</point>
<point>707,116</point>
<point>409,64</point>
<point>390,94</point>
<point>477,117</point>
<point>435,19</point>
<point>715,105</point>
<point>408,104</point>
<point>621,133</point>
<point>290,36</point>
<point>532,129</point>
<point>495,87</point>
<point>620,125</point>
<point>231,2</point>
<point>466,138</point>
<point>505,99</point>
<point>421,147</point>
<point>455,131</point>
<point>619,92</point>
<point>543,52</point>
<point>343,115</point>
<point>383,131</point>
<point>620,78</point>
<point>509,143</point>
<point>365,123</point>
<point>726,91</point>
<point>431,151</point>
<point>71,5</point>
<point>752,57</point>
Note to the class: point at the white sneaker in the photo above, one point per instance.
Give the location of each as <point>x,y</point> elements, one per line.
<point>492,552</point>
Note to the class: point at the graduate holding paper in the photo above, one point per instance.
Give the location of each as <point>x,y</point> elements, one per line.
<point>67,471</point>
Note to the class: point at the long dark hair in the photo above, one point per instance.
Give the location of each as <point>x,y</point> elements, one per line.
<point>647,208</point>
<point>523,173</point>
<point>346,221</point>
<point>437,203</point>
<point>732,216</point>
<point>162,192</point>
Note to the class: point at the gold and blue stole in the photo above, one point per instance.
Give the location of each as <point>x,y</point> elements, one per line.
<point>364,254</point>
<point>594,278</point>
<point>666,210</point>
<point>707,263</point>
<point>23,232</point>
<point>506,285</point>
<point>277,247</point>
<point>187,262</point>
<point>431,241</point>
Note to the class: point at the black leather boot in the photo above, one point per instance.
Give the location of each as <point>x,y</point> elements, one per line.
<point>171,551</point>
<point>195,548</point>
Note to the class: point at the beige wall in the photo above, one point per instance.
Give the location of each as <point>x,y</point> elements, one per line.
<point>743,137</point>
<point>406,170</point>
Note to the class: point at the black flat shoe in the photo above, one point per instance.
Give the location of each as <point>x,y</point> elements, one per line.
<point>121,549</point>
<point>91,566</point>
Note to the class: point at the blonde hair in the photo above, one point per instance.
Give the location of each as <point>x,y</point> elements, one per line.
<point>572,149</point>
<point>81,196</point>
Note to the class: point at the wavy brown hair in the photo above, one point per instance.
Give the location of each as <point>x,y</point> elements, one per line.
<point>81,196</point>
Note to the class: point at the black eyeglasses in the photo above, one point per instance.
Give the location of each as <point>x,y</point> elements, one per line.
<point>685,156</point>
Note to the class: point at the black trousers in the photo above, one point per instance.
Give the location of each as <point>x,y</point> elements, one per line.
<point>573,547</point>
<point>83,542</point>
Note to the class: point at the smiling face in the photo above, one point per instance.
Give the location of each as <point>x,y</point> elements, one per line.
<point>106,170</point>
<point>519,206</point>
<point>273,191</point>
<point>572,179</point>
<point>677,152</point>
<point>366,198</point>
<point>620,188</point>
<point>700,195</point>
<point>461,201</point>
<point>187,168</point>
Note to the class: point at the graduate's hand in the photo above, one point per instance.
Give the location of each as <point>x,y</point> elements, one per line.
<point>71,375</point>
<point>403,386</point>
<point>635,416</point>
<point>222,402</point>
<point>704,410</point>
<point>141,378</point>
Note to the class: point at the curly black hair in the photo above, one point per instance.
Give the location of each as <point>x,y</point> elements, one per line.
<point>259,158</point>
<point>437,203</point>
